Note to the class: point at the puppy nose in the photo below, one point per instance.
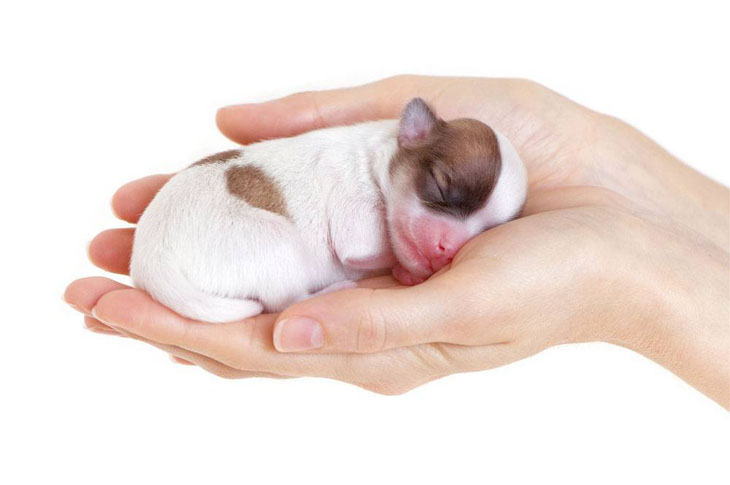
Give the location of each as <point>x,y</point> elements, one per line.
<point>444,250</point>
<point>442,255</point>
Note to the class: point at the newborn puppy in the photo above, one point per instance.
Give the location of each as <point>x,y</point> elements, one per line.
<point>259,228</point>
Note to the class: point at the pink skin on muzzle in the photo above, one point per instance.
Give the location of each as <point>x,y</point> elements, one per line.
<point>425,243</point>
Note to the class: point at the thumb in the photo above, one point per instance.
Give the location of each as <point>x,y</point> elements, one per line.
<point>300,112</point>
<point>367,319</point>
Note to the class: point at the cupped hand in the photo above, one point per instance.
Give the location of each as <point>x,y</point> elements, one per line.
<point>593,258</point>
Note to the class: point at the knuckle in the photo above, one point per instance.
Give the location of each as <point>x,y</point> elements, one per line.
<point>248,334</point>
<point>440,359</point>
<point>240,355</point>
<point>431,361</point>
<point>308,100</point>
<point>314,99</point>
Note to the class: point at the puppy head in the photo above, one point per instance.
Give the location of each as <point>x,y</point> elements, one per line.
<point>441,178</point>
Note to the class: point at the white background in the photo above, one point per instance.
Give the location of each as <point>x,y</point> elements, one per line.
<point>94,94</point>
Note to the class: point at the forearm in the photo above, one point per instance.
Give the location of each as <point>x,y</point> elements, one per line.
<point>697,331</point>
<point>698,351</point>
<point>687,330</point>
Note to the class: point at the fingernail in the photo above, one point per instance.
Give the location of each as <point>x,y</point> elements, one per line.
<point>296,334</point>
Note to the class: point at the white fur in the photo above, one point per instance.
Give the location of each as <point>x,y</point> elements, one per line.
<point>508,196</point>
<point>210,256</point>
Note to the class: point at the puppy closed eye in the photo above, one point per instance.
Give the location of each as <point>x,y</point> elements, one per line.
<point>439,182</point>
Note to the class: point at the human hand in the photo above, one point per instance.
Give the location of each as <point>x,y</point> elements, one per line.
<point>566,272</point>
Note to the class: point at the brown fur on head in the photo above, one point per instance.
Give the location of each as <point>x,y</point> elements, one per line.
<point>454,165</point>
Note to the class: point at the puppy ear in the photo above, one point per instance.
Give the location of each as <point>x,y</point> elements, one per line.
<point>417,124</point>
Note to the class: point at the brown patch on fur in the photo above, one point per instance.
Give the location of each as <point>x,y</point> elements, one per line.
<point>456,168</point>
<point>221,157</point>
<point>252,185</point>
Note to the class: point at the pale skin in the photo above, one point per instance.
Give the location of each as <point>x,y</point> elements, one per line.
<point>619,242</point>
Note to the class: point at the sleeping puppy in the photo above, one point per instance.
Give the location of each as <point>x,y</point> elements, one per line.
<point>258,228</point>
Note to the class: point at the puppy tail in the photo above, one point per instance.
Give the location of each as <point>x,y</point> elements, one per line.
<point>170,286</point>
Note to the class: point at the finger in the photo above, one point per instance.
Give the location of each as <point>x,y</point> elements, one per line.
<point>379,282</point>
<point>301,112</point>
<point>111,250</point>
<point>186,357</point>
<point>182,356</point>
<point>131,199</point>
<point>240,345</point>
<point>205,363</point>
<point>178,360</point>
<point>498,100</point>
<point>225,349</point>
<point>94,325</point>
<point>84,293</point>
<point>357,320</point>
<point>134,311</point>
<point>368,320</point>
<point>247,345</point>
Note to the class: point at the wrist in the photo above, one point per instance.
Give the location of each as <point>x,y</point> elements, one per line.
<point>658,181</point>
<point>679,309</point>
